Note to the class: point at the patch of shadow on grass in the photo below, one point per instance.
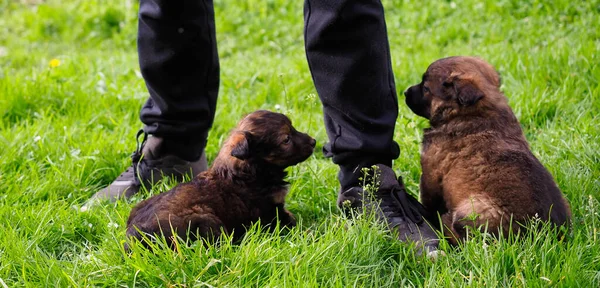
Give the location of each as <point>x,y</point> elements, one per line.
<point>17,112</point>
<point>538,117</point>
<point>70,232</point>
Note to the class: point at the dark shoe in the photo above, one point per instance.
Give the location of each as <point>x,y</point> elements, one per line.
<point>401,212</point>
<point>149,165</point>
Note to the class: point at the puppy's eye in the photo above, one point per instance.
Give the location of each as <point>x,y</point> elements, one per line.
<point>287,139</point>
<point>426,89</point>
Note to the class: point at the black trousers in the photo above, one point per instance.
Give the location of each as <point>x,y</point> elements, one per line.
<point>348,55</point>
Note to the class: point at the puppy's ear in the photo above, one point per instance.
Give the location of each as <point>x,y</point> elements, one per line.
<point>241,145</point>
<point>463,89</point>
<point>469,95</point>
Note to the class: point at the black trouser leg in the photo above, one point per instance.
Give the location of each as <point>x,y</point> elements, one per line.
<point>348,54</point>
<point>179,61</point>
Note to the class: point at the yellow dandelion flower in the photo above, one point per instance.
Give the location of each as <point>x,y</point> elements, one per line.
<point>54,63</point>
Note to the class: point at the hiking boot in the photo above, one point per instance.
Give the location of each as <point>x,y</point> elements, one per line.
<point>401,212</point>
<point>149,165</point>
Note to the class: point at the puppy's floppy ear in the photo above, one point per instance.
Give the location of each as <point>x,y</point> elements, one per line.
<point>241,145</point>
<point>463,89</point>
<point>469,95</point>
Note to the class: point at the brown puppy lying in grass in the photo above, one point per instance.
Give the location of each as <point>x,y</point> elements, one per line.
<point>477,168</point>
<point>245,184</point>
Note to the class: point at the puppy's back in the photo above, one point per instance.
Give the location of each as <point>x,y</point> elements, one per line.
<point>504,185</point>
<point>187,210</point>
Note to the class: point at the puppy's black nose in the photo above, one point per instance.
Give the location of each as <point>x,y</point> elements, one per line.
<point>313,142</point>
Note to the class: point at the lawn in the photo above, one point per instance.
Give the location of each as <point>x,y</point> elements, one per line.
<point>71,91</point>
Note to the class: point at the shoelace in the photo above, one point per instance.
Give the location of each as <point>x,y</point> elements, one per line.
<point>404,205</point>
<point>136,156</point>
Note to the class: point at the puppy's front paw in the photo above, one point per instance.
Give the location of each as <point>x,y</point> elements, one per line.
<point>287,219</point>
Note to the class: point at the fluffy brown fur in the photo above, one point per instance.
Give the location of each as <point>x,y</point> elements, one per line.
<point>477,168</point>
<point>245,184</point>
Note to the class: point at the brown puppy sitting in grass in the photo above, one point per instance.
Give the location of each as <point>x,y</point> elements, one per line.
<point>245,184</point>
<point>477,168</point>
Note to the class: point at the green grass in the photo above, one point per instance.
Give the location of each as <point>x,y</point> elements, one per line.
<point>67,131</point>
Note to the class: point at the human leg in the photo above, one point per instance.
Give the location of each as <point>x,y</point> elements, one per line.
<point>179,62</point>
<point>348,55</point>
